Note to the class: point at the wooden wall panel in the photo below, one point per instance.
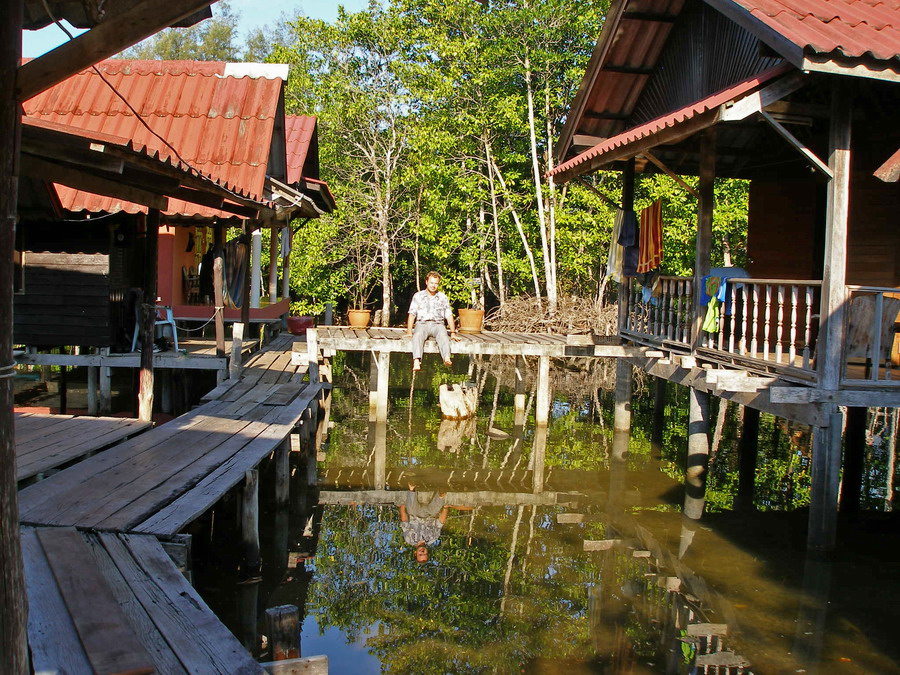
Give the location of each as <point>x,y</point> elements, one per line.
<point>781,239</point>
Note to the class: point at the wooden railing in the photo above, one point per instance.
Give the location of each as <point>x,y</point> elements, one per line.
<point>871,315</point>
<point>666,315</point>
<point>772,320</point>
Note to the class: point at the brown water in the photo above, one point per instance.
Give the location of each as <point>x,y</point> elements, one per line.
<point>510,585</point>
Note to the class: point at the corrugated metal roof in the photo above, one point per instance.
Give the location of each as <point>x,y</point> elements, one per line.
<point>673,119</point>
<point>848,28</point>
<point>299,131</point>
<point>222,126</point>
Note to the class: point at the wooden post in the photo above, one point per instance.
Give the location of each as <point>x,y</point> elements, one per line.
<point>92,377</point>
<point>624,382</point>
<point>13,638</point>
<point>148,317</point>
<point>283,629</point>
<point>698,454</point>
<point>255,264</point>
<point>378,431</point>
<point>627,205</point>
<point>329,314</point>
<point>378,386</point>
<point>63,387</point>
<point>286,269</point>
<point>705,210</point>
<point>219,286</point>
<point>659,414</point>
<point>105,385</point>
<point>237,346</point>
<point>542,402</point>
<point>165,391</point>
<point>748,450</point>
<point>312,355</point>
<point>248,609</point>
<point>519,400</point>
<point>826,459</point>
<point>538,458</point>
<point>250,524</point>
<point>273,266</point>
<point>283,472</point>
<point>854,459</point>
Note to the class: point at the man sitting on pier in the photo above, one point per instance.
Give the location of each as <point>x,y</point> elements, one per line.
<point>428,311</point>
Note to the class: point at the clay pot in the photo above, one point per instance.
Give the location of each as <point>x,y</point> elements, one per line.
<point>358,318</point>
<point>471,320</point>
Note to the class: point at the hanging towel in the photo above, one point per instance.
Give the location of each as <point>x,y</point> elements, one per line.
<point>614,262</point>
<point>651,241</point>
<point>628,238</point>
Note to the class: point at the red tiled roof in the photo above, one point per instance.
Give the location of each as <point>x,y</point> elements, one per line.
<point>222,126</point>
<point>849,28</point>
<point>299,130</point>
<point>672,119</point>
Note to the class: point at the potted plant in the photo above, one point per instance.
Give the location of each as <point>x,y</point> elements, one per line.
<point>361,271</point>
<point>471,319</point>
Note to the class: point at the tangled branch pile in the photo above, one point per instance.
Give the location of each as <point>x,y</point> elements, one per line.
<point>574,315</point>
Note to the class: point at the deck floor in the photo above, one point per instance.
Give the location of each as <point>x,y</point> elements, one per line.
<point>45,442</point>
<point>163,479</point>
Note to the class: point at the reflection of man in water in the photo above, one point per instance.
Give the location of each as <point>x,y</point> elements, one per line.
<point>421,518</point>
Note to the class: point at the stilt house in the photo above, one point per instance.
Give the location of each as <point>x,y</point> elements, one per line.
<point>802,100</point>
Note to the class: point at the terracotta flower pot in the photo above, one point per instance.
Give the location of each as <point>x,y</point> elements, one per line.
<point>297,325</point>
<point>471,320</point>
<point>358,318</point>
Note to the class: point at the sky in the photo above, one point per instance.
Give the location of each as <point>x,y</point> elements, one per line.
<point>253,14</point>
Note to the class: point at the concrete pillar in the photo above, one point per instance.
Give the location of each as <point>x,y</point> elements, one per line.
<point>255,267</point>
<point>622,410</point>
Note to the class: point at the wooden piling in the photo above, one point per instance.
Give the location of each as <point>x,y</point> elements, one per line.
<point>250,524</point>
<point>519,400</point>
<point>283,630</point>
<point>378,398</point>
<point>237,346</point>
<point>148,317</point>
<point>624,383</point>
<point>659,413</point>
<point>378,436</point>
<point>854,460</point>
<point>542,401</point>
<point>219,286</point>
<point>748,451</point>
<point>705,209</point>
<point>698,454</point>
<point>283,473</point>
<point>312,352</point>
<point>92,381</point>
<point>105,402</point>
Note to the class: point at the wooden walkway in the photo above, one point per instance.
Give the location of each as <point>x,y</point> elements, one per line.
<point>165,478</point>
<point>45,442</point>
<point>388,340</point>
<point>116,603</point>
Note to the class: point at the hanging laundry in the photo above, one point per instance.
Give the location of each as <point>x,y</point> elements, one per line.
<point>614,262</point>
<point>651,241</point>
<point>628,238</point>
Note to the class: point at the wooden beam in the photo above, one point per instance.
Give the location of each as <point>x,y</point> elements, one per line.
<point>148,317</point>
<point>606,200</point>
<point>889,172</point>
<point>860,398</point>
<point>671,174</point>
<point>586,141</point>
<point>758,100</point>
<point>104,40</point>
<point>657,17</point>
<point>79,180</point>
<point>797,143</point>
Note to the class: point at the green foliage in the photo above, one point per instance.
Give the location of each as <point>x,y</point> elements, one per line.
<point>214,39</point>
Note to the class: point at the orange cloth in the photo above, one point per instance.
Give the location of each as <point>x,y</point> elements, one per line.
<point>651,241</point>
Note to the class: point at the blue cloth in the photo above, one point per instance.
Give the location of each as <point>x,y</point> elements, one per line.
<point>723,275</point>
<point>628,238</point>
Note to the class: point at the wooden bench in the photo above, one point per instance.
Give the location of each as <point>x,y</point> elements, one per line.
<point>116,603</point>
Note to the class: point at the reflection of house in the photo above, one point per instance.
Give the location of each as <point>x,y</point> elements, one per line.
<point>226,121</point>
<point>802,101</point>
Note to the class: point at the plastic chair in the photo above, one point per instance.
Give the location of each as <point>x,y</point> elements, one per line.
<point>163,317</point>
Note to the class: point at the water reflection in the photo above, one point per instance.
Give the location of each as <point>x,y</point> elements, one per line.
<point>566,548</point>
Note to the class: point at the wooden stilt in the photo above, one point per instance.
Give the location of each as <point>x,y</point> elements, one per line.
<point>519,400</point>
<point>378,435</point>
<point>250,524</point>
<point>705,210</point>
<point>248,601</point>
<point>538,458</point>
<point>854,460</point>
<point>748,450</point>
<point>219,286</point>
<point>826,466</point>
<point>273,266</point>
<point>382,362</point>
<point>148,317</point>
<point>286,269</point>
<point>283,472</point>
<point>92,378</point>
<point>63,389</point>
<point>698,454</point>
<point>659,414</point>
<point>255,265</point>
<point>283,629</point>
<point>312,351</point>
<point>105,373</point>
<point>624,382</point>
<point>237,347</point>
<point>542,402</point>
<point>165,390</point>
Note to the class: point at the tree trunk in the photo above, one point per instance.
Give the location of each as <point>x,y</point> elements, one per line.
<point>501,296</point>
<point>387,291</point>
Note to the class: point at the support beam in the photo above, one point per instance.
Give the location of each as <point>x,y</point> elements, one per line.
<point>273,265</point>
<point>283,473</point>
<point>539,459</point>
<point>250,524</point>
<point>148,317</point>
<point>378,440</point>
<point>92,381</point>
<point>13,634</point>
<point>255,267</point>
<point>624,385</point>
<point>826,467</point>
<point>219,286</point>
<point>542,402</point>
<point>704,223</point>
<point>378,402</point>
<point>105,373</point>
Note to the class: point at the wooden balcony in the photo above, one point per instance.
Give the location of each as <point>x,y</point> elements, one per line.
<point>768,327</point>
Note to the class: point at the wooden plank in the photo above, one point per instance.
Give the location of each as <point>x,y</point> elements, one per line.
<point>849,397</point>
<point>89,431</point>
<point>138,618</point>
<point>197,637</point>
<point>52,638</point>
<point>37,426</point>
<point>306,665</point>
<point>110,644</point>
